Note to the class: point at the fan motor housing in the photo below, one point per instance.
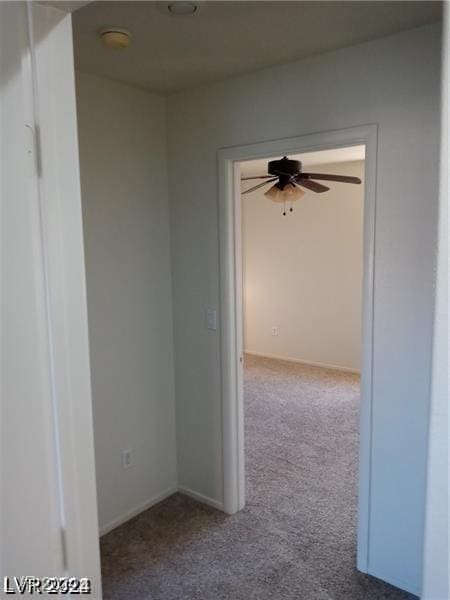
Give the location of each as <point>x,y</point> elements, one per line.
<point>285,166</point>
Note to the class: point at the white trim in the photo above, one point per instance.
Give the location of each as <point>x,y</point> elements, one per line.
<point>231,310</point>
<point>62,235</point>
<point>436,567</point>
<point>300,361</point>
<point>134,512</point>
<point>129,514</point>
<point>200,497</point>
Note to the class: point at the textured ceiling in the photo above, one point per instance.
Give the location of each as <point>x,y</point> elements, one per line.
<point>225,39</point>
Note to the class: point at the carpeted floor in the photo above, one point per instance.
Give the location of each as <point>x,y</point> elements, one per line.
<point>295,540</point>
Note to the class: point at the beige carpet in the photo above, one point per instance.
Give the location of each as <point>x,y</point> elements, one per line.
<point>296,537</point>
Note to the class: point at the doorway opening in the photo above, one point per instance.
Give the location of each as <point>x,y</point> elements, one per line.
<point>236,299</point>
<point>302,273</point>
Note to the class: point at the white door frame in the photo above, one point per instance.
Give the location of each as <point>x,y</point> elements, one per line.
<point>231,309</point>
<point>61,230</point>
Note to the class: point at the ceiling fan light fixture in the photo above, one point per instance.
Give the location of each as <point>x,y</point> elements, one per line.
<point>289,193</point>
<point>289,176</point>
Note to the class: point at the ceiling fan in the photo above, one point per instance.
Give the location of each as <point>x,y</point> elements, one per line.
<point>290,179</point>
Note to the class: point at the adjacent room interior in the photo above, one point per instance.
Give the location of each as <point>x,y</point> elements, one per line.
<point>151,254</point>
<point>302,272</point>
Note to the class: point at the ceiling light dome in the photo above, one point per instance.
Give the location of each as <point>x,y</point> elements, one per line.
<point>115,37</point>
<point>288,193</point>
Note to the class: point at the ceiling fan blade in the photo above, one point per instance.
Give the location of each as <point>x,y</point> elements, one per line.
<point>326,177</point>
<point>312,185</point>
<point>256,177</point>
<point>255,187</point>
<point>283,174</point>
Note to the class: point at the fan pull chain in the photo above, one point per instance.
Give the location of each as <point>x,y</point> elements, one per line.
<point>284,211</point>
<point>291,209</point>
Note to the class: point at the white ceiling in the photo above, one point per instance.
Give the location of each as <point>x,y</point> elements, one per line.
<point>66,5</point>
<point>323,157</point>
<point>225,39</point>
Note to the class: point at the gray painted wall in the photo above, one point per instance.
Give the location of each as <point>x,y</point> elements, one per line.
<point>122,134</point>
<point>393,82</point>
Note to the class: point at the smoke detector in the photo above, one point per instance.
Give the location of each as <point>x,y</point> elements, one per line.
<point>181,8</point>
<point>115,37</point>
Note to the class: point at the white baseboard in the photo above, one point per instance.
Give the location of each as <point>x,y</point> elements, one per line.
<point>129,514</point>
<point>201,498</point>
<point>303,362</point>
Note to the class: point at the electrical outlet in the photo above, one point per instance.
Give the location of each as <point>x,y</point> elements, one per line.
<point>127,459</point>
<point>274,330</point>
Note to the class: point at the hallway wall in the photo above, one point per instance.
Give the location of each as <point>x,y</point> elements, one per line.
<point>392,82</point>
<point>122,136</point>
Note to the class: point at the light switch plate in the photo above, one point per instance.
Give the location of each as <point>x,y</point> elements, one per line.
<point>211,319</point>
<point>127,458</point>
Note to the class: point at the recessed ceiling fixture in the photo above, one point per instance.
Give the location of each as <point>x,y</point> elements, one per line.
<point>115,37</point>
<point>182,8</point>
<point>289,177</point>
